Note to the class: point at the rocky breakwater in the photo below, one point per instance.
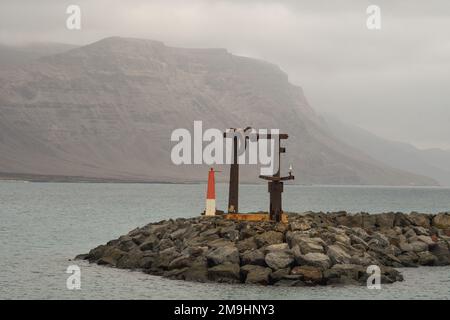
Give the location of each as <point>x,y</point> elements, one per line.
<point>312,249</point>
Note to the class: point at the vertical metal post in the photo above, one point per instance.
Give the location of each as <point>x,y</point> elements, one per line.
<point>275,190</point>
<point>276,185</point>
<point>233,194</point>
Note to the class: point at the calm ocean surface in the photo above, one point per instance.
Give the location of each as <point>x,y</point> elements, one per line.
<point>43,225</point>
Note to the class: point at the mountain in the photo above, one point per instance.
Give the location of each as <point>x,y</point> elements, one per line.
<point>434,163</point>
<point>107,111</point>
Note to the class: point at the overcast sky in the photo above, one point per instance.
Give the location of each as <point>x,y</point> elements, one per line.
<point>394,82</point>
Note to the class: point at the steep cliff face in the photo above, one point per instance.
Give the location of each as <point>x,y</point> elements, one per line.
<point>107,110</point>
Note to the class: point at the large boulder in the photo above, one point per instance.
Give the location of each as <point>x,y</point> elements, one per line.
<point>309,274</point>
<point>165,257</point>
<point>419,246</point>
<point>276,247</point>
<point>355,240</point>
<point>401,220</point>
<point>442,253</point>
<point>149,243</point>
<point>304,242</point>
<point>227,272</point>
<point>126,243</point>
<point>300,225</point>
<point>131,260</point>
<point>254,257</point>
<point>279,274</point>
<point>420,219</point>
<point>344,274</point>
<point>442,221</point>
<point>180,262</point>
<point>279,259</point>
<point>197,272</point>
<point>409,259</point>
<point>426,239</point>
<point>350,220</point>
<point>314,259</point>
<point>165,244</point>
<point>338,255</point>
<point>427,259</point>
<point>256,274</point>
<point>229,233</point>
<point>343,238</point>
<point>96,253</point>
<point>385,220</point>
<point>178,234</point>
<point>246,244</point>
<point>268,238</point>
<point>221,255</point>
<point>111,256</point>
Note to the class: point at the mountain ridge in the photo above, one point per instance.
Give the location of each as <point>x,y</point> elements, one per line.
<point>106,110</point>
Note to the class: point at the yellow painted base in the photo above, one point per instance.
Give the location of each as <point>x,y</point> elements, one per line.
<point>253,217</point>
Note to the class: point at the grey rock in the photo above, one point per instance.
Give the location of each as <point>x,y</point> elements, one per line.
<point>357,240</point>
<point>442,253</point>
<point>300,225</point>
<point>165,257</point>
<point>304,242</point>
<point>405,247</point>
<point>224,254</point>
<point>279,259</point>
<point>256,274</point>
<point>409,232</point>
<point>111,256</point>
<point>165,244</point>
<point>268,238</point>
<point>385,220</point>
<point>308,274</point>
<point>350,271</point>
<point>442,221</point>
<point>197,272</point>
<point>315,259</point>
<point>338,255</point>
<point>419,246</point>
<point>276,247</point>
<point>180,262</point>
<point>409,259</point>
<point>256,257</point>
<point>247,244</point>
<point>343,238</point>
<point>426,239</point>
<point>279,274</point>
<point>150,243</point>
<point>131,260</point>
<point>427,259</point>
<point>228,272</point>
<point>420,219</point>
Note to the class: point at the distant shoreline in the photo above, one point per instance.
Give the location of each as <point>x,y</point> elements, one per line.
<point>25,177</point>
<point>36,178</point>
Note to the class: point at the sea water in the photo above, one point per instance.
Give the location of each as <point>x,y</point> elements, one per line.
<point>44,225</point>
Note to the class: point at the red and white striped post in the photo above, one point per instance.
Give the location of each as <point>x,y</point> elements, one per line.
<point>211,195</point>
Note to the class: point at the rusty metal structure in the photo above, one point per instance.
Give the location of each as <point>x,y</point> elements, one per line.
<point>275,182</point>
<point>233,191</point>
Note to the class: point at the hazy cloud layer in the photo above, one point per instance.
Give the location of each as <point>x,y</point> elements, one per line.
<point>394,82</point>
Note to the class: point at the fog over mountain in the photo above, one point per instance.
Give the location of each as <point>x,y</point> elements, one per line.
<point>434,163</point>
<point>107,110</point>
<point>11,56</point>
